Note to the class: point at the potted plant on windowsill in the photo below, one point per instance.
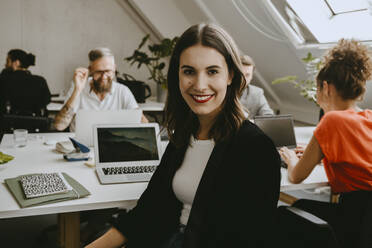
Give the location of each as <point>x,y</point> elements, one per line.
<point>307,86</point>
<point>154,59</point>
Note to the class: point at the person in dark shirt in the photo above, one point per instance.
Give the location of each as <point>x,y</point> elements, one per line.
<point>21,92</point>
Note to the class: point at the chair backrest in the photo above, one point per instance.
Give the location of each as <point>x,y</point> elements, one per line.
<point>33,124</point>
<point>299,228</point>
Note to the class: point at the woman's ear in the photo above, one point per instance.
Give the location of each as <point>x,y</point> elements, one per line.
<point>325,88</point>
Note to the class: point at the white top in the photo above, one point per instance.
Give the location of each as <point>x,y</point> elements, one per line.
<point>119,97</point>
<point>187,177</point>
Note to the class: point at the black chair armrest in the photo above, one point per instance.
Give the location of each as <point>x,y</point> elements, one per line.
<point>306,216</point>
<point>298,228</point>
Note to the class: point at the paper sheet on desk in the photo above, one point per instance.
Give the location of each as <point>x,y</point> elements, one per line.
<point>15,188</point>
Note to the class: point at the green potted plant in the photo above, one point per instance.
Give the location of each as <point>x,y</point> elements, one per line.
<point>154,59</point>
<point>307,86</point>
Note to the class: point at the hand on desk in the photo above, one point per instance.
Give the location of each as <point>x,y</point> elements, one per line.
<point>299,150</point>
<point>289,156</point>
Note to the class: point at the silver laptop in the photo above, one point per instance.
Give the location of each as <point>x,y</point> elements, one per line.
<point>126,153</point>
<point>86,119</point>
<point>279,128</point>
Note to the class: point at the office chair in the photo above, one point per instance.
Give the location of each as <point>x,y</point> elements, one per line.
<point>300,229</point>
<point>34,124</point>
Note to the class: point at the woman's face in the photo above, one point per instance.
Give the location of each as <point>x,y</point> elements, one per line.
<point>203,79</point>
<point>318,95</point>
<point>8,63</point>
<point>323,96</point>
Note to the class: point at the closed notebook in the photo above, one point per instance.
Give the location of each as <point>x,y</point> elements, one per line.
<point>44,184</point>
<point>15,187</point>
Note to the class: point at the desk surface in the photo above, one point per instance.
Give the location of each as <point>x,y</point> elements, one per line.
<point>39,158</point>
<point>317,178</point>
<point>147,106</point>
<point>152,106</point>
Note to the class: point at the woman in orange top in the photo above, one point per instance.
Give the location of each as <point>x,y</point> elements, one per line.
<point>343,140</point>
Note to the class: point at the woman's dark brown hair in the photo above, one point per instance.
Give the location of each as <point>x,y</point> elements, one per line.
<point>25,59</point>
<point>347,66</point>
<point>180,121</point>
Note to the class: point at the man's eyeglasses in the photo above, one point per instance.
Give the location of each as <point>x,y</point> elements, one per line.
<point>98,74</point>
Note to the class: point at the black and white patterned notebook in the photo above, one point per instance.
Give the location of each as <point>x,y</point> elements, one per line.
<point>44,184</point>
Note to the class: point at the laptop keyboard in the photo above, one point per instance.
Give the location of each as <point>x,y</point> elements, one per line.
<point>125,174</point>
<point>128,170</point>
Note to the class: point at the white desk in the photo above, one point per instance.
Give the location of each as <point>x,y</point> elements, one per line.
<point>149,106</point>
<point>39,158</point>
<point>54,107</point>
<point>58,99</point>
<point>317,178</point>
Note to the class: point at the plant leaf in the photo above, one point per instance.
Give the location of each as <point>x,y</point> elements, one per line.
<point>144,39</point>
<point>308,58</point>
<point>285,79</point>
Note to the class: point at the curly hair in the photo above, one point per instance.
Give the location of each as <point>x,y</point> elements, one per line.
<point>347,66</point>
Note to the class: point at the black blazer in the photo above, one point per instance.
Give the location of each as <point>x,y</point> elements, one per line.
<point>235,203</point>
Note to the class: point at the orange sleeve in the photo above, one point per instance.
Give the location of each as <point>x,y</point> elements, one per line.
<point>327,134</point>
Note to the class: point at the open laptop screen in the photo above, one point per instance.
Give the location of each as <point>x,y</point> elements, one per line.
<point>279,128</point>
<point>86,119</point>
<point>126,144</point>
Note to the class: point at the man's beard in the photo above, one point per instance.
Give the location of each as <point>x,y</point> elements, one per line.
<point>100,87</point>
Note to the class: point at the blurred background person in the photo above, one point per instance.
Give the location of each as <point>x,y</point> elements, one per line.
<point>253,98</point>
<point>342,140</point>
<point>21,92</point>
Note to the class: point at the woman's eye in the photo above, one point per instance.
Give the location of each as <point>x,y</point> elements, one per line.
<point>188,72</point>
<point>212,72</point>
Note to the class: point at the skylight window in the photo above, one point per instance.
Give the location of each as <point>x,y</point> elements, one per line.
<point>346,6</point>
<point>330,20</point>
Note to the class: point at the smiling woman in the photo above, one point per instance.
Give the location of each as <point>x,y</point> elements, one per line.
<point>206,158</point>
<point>203,83</point>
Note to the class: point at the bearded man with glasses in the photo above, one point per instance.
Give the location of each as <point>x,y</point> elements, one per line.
<point>94,88</point>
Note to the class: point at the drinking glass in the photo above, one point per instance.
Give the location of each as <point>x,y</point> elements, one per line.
<point>20,137</point>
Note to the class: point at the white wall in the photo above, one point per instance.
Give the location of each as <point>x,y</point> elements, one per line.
<point>61,33</point>
<point>164,15</point>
